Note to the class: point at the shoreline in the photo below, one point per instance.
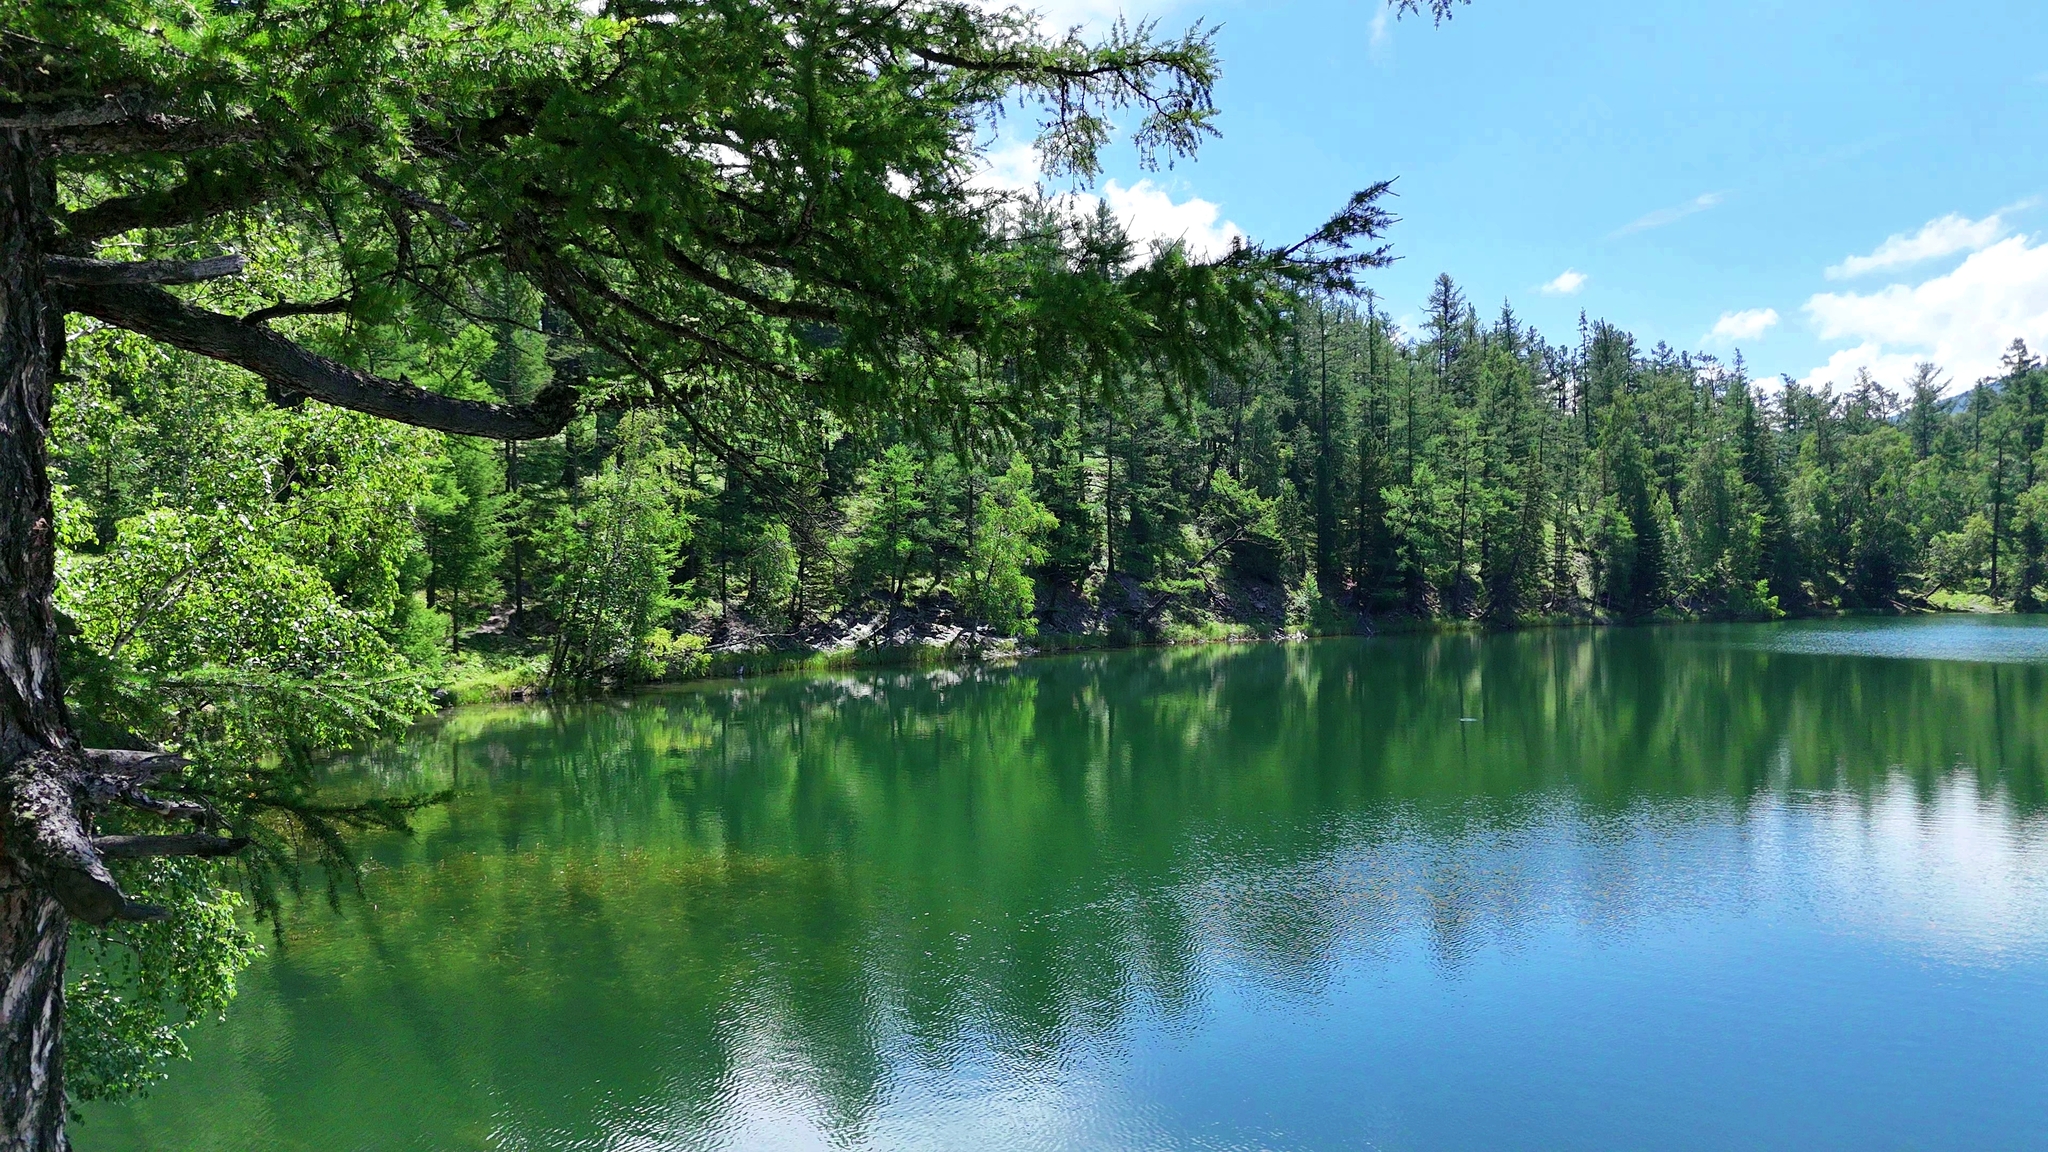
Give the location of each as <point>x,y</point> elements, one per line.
<point>739,663</point>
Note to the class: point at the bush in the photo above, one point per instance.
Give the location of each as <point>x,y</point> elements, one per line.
<point>667,657</point>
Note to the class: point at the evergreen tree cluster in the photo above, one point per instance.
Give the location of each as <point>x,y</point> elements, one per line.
<point>1350,472</point>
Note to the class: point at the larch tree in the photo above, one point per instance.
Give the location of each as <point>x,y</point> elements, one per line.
<point>734,209</point>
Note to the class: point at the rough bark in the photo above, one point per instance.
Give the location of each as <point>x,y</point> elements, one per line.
<point>34,933</point>
<point>87,271</point>
<point>51,871</point>
<point>80,113</point>
<point>34,928</point>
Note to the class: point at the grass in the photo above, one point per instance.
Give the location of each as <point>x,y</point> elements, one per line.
<point>1964,602</point>
<point>766,661</point>
<point>486,677</point>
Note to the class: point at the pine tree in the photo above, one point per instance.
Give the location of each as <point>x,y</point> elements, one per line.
<point>464,530</point>
<point>1923,390</point>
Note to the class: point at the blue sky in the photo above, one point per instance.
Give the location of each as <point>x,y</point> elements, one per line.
<point>1823,184</point>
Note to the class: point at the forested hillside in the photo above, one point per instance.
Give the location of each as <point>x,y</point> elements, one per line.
<point>1352,474</point>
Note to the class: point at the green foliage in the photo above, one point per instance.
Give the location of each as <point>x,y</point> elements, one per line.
<point>137,988</point>
<point>755,217</point>
<point>662,655</point>
<point>1005,529</point>
<point>890,529</point>
<point>463,529</point>
<point>614,551</point>
<point>820,369</point>
<point>237,583</point>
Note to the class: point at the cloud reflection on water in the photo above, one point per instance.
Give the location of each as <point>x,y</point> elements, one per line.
<point>1263,897</point>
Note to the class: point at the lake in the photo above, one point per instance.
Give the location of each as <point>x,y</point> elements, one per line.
<point>1698,887</point>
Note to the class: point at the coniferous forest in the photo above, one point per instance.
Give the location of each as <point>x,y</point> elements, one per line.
<point>1352,476</point>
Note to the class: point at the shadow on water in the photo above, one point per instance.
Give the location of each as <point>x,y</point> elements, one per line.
<point>793,908</point>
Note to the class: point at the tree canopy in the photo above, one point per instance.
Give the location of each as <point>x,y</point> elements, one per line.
<point>738,208</point>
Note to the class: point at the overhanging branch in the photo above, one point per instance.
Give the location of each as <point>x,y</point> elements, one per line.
<point>332,306</point>
<point>416,201</point>
<point>292,369</point>
<point>759,301</point>
<point>205,193</point>
<point>1025,66</point>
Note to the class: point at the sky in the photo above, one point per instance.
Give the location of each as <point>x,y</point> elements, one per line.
<point>1819,184</point>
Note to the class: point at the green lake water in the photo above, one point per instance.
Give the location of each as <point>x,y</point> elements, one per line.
<point>1753,887</point>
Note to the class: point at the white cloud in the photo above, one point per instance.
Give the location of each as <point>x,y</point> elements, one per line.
<point>1747,324</point>
<point>1008,167</point>
<point>1888,368</point>
<point>1671,215</point>
<point>1382,29</point>
<point>1962,320</point>
<point>1568,281</point>
<point>1936,238</point>
<point>1151,214</point>
<point>1147,211</point>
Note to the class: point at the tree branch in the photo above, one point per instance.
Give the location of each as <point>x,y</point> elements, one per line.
<point>332,306</point>
<point>291,368</point>
<point>416,201</point>
<point>759,301</point>
<point>82,271</point>
<point>206,193</point>
<point>118,776</point>
<point>1158,601</point>
<point>1023,66</point>
<point>149,134</point>
<point>184,844</point>
<point>66,113</point>
<point>133,767</point>
<point>559,279</point>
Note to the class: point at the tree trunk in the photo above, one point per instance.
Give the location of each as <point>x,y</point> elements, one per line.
<point>34,931</point>
<point>35,736</point>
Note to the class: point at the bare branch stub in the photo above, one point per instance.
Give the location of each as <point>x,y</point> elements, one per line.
<point>191,810</point>
<point>117,772</point>
<point>138,765</point>
<point>119,776</point>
